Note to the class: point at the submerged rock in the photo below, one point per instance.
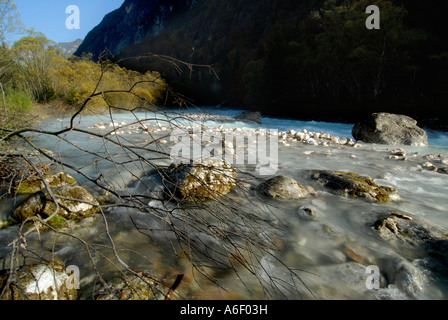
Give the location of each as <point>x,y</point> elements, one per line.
<point>283,187</point>
<point>405,276</point>
<point>408,278</point>
<point>354,185</point>
<point>205,180</point>
<point>391,129</point>
<point>306,213</point>
<point>131,288</point>
<point>38,282</point>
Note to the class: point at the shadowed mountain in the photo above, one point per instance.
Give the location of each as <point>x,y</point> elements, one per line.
<point>309,59</point>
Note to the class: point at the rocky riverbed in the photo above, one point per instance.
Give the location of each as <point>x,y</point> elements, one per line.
<point>313,229</point>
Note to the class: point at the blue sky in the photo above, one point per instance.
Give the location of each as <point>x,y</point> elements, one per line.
<point>49,17</point>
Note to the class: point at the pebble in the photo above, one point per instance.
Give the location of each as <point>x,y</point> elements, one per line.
<point>286,137</point>
<point>399,152</point>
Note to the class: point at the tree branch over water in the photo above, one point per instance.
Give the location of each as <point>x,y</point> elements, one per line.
<point>207,239</point>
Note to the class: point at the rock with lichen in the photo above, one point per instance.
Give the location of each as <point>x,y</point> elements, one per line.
<point>74,202</point>
<point>35,184</point>
<point>354,185</point>
<point>414,231</point>
<point>207,179</point>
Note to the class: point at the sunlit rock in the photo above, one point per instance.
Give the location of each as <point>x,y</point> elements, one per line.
<point>391,129</point>
<point>354,185</point>
<point>205,180</point>
<point>283,187</point>
<point>35,184</point>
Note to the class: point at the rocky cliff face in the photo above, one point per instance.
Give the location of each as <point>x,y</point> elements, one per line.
<point>69,48</point>
<point>224,33</point>
<point>133,22</point>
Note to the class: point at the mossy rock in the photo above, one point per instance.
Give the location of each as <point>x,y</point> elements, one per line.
<point>42,204</point>
<point>351,184</point>
<point>58,222</point>
<point>35,184</point>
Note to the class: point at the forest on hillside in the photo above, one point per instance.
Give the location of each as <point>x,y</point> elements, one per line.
<point>312,59</point>
<point>332,61</point>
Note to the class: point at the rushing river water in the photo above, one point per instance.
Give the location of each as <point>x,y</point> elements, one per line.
<point>324,257</point>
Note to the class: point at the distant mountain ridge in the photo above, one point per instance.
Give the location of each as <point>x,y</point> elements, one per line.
<point>69,48</point>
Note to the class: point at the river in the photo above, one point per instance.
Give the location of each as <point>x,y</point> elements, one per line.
<point>325,257</point>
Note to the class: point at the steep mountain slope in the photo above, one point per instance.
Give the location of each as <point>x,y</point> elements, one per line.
<point>134,21</point>
<point>307,59</point>
<point>223,33</point>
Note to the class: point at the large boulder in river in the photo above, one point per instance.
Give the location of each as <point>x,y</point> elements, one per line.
<point>207,179</point>
<point>283,187</point>
<point>354,185</point>
<point>74,202</point>
<point>390,129</point>
<point>250,117</point>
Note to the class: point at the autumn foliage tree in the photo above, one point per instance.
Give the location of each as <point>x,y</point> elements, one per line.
<point>40,72</point>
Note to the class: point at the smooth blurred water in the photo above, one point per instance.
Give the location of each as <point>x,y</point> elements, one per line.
<point>320,250</point>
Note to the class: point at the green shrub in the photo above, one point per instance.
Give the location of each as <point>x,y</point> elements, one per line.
<point>18,101</point>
